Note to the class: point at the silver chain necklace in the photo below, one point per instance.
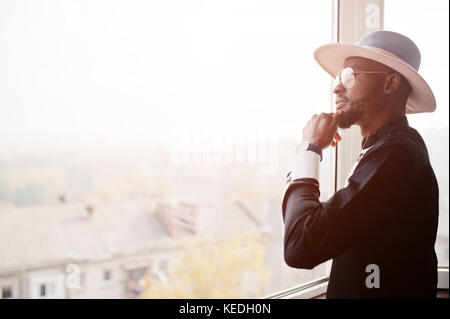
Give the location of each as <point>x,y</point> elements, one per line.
<point>362,150</point>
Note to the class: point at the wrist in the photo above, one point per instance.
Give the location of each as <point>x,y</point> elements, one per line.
<point>307,163</point>
<point>314,148</point>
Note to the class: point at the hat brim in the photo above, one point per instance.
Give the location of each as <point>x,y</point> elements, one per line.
<point>331,58</point>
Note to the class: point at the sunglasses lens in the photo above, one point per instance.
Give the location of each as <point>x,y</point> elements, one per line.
<point>347,78</point>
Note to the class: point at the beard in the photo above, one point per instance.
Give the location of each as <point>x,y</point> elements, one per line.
<point>349,118</point>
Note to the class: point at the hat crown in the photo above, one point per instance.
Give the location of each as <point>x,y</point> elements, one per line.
<point>394,43</point>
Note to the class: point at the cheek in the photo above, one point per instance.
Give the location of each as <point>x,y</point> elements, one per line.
<point>361,95</point>
<point>354,97</point>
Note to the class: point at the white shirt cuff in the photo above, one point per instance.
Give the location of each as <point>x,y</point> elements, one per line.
<point>307,165</point>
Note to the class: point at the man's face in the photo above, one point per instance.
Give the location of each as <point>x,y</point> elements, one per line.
<point>366,98</point>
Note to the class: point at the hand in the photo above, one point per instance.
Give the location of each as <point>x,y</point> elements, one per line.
<point>321,129</point>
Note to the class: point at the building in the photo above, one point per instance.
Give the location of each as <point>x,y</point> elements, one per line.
<point>62,251</point>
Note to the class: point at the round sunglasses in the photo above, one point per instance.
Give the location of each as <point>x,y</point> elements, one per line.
<point>347,76</point>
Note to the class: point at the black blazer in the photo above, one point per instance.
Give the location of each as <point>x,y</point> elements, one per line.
<point>385,219</point>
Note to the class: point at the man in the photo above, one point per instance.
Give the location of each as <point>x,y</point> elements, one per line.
<point>380,229</point>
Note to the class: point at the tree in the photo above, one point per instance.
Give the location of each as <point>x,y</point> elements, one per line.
<point>204,267</point>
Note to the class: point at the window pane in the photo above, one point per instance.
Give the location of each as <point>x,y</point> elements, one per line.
<point>144,129</point>
<point>427,24</point>
<point>106,275</point>
<point>42,290</point>
<point>82,280</point>
<point>6,292</point>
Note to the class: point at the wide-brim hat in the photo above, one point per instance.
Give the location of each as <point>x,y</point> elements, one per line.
<point>391,49</point>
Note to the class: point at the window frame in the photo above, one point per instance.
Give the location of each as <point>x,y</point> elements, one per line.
<point>318,287</point>
<point>307,290</point>
<point>443,277</point>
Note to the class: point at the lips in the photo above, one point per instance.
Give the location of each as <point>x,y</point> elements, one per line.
<point>339,104</point>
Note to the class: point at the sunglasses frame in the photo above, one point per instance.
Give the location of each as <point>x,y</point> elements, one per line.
<point>351,75</point>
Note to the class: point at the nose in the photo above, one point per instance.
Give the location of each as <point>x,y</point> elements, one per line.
<point>339,88</point>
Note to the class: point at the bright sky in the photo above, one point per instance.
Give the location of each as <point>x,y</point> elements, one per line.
<point>78,73</point>
<point>109,72</point>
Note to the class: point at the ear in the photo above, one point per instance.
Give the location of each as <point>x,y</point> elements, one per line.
<point>392,83</point>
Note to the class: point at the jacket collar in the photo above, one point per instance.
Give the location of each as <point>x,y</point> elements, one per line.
<point>384,131</point>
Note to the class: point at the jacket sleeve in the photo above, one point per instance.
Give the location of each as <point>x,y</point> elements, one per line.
<point>317,231</point>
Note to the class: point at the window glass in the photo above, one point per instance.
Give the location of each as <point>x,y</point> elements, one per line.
<point>107,275</point>
<point>148,128</point>
<point>82,280</point>
<point>427,24</point>
<point>6,292</point>
<point>43,290</point>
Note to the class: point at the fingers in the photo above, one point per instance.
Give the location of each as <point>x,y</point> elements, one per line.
<point>322,125</point>
<point>336,116</point>
<point>334,121</point>
<point>337,137</point>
